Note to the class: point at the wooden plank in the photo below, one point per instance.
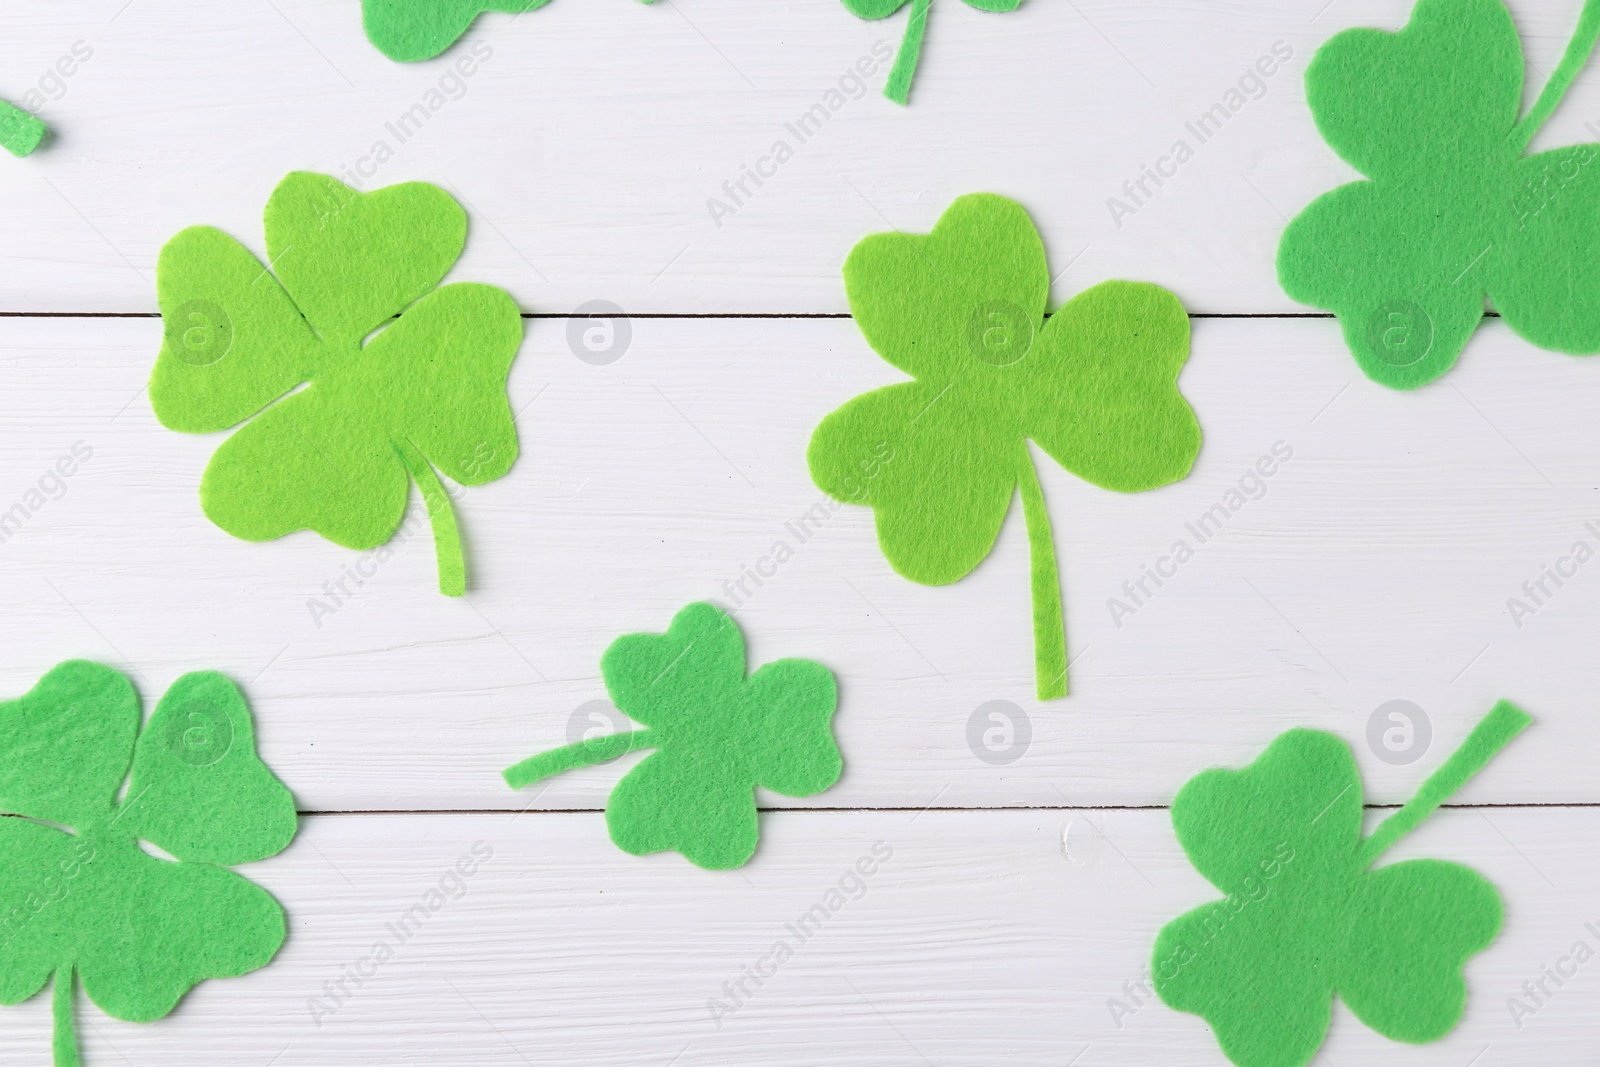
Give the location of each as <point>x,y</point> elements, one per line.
<point>1370,570</point>
<point>979,939</point>
<point>591,140</point>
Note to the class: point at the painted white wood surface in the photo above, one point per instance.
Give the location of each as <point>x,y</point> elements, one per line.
<point>979,941</point>
<point>590,142</point>
<point>1376,566</point>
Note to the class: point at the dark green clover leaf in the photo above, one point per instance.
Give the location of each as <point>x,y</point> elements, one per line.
<point>1307,917</point>
<point>1454,211</point>
<point>898,87</point>
<point>92,904</point>
<point>411,30</point>
<point>940,458</point>
<point>356,375</point>
<point>717,735</point>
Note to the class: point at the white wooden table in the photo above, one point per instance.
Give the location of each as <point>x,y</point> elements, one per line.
<point>1020,898</point>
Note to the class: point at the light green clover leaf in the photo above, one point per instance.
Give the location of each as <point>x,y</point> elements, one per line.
<point>1307,918</point>
<point>1453,212</point>
<point>717,735</point>
<point>356,375</point>
<point>938,459</point>
<point>20,131</point>
<point>898,87</point>
<point>92,904</point>
<point>411,30</point>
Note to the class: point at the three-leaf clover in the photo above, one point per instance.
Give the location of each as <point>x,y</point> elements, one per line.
<point>898,87</point>
<point>356,374</point>
<point>939,458</point>
<point>717,735</point>
<point>411,30</point>
<point>94,905</point>
<point>1306,917</point>
<point>1453,212</point>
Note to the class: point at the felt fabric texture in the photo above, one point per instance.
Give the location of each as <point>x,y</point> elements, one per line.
<point>898,87</point>
<point>717,735</point>
<point>91,904</point>
<point>1306,918</point>
<point>338,419</point>
<point>938,459</point>
<point>412,30</point>
<point>20,132</point>
<point>1453,212</point>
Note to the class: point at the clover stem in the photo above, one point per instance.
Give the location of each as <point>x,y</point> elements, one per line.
<point>1487,738</point>
<point>446,536</point>
<point>586,753</point>
<point>1578,51</point>
<point>898,88</point>
<point>64,1040</point>
<point>1049,630</point>
<point>20,132</point>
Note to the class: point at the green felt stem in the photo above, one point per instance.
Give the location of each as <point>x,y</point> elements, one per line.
<point>1578,51</point>
<point>898,88</point>
<point>446,535</point>
<point>64,1040</point>
<point>20,132</point>
<point>1049,629</point>
<point>588,753</point>
<point>1487,738</point>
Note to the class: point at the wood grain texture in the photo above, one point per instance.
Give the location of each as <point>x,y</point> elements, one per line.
<point>980,940</point>
<point>1375,564</point>
<point>591,140</point>
<point>1371,569</point>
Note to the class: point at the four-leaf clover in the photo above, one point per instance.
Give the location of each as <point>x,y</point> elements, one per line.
<point>939,459</point>
<point>356,374</point>
<point>411,30</point>
<point>717,735</point>
<point>1306,916</point>
<point>92,904</point>
<point>1453,211</point>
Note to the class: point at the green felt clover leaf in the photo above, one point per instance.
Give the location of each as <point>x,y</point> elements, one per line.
<point>92,904</point>
<point>20,132</point>
<point>898,88</point>
<point>717,735</point>
<point>355,373</point>
<point>412,30</point>
<point>1454,211</point>
<point>939,459</point>
<point>1307,918</point>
